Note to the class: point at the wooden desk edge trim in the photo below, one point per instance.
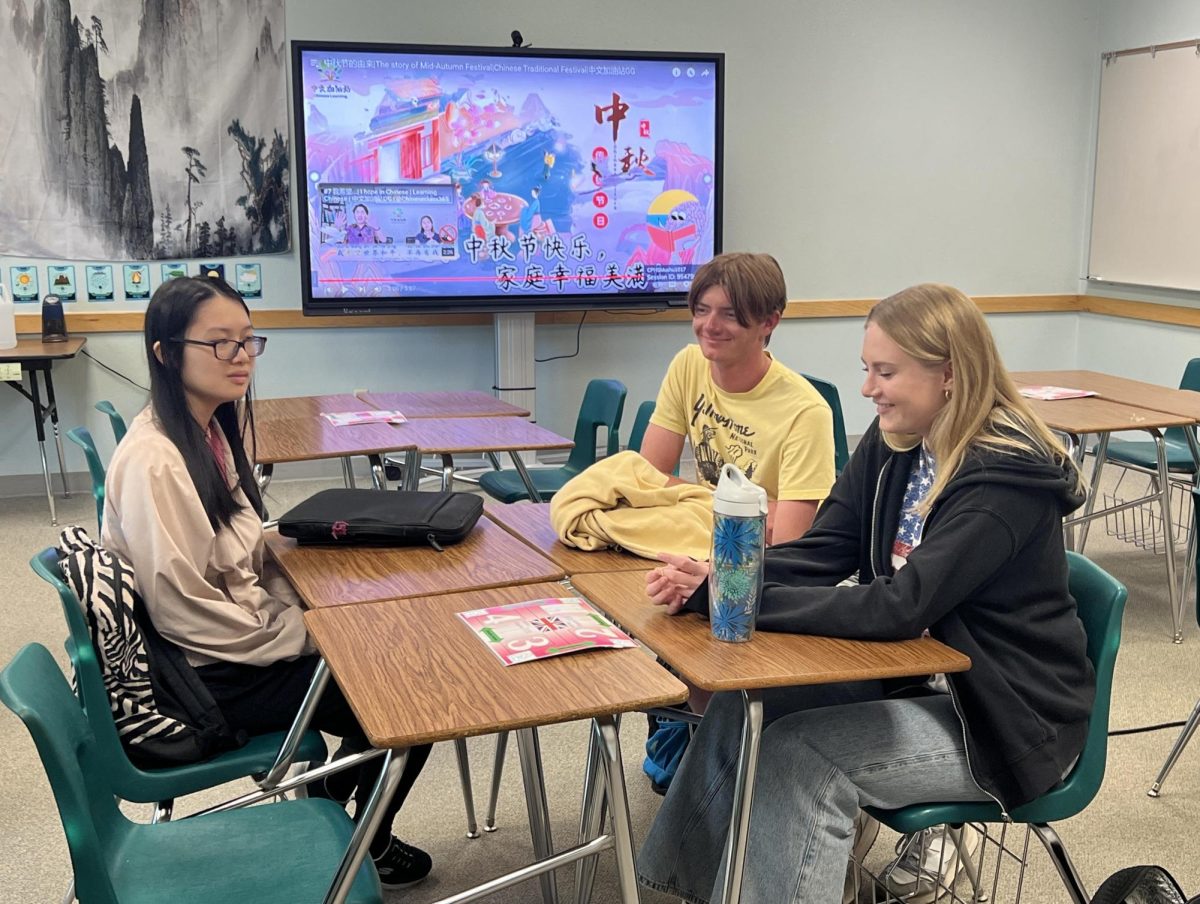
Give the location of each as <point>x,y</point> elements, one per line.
<point>801,309</point>
<point>830,677</point>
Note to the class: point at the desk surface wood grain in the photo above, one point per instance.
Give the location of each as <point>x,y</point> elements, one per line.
<point>37,350</point>
<point>311,438</point>
<point>306,406</point>
<point>478,434</point>
<point>338,575</point>
<point>1098,415</point>
<point>531,523</point>
<point>468,403</point>
<point>770,659</point>
<point>1182,402</point>
<point>414,673</point>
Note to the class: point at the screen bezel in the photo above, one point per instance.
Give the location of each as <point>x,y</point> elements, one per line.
<point>491,303</point>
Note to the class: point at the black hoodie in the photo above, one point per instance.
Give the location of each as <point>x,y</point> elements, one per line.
<point>989,579</point>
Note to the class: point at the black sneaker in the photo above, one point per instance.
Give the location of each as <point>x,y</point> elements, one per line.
<point>318,788</point>
<point>402,865</point>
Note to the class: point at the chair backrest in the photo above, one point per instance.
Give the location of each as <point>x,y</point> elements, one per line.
<point>36,691</point>
<point>1189,380</point>
<point>82,437</point>
<point>603,402</point>
<point>114,418</point>
<point>1101,601</point>
<point>841,448</point>
<point>640,422</point>
<point>123,776</point>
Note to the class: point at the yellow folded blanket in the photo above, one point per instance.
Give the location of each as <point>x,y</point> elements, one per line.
<point>623,500</point>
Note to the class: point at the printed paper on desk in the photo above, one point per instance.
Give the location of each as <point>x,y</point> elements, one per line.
<point>1054,393</point>
<point>539,629</point>
<point>374,416</point>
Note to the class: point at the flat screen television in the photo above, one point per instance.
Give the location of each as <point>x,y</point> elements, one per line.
<point>478,179</point>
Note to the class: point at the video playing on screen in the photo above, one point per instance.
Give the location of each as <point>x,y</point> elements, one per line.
<point>438,179</point>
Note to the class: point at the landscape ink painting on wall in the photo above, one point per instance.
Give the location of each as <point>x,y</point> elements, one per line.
<point>143,129</point>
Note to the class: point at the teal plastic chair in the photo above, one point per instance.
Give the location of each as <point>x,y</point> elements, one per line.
<point>640,422</point>
<point>114,418</point>
<point>129,782</point>
<point>82,437</point>
<point>1101,601</point>
<point>603,402</point>
<point>284,852</point>
<point>841,447</point>
<point>1193,721</point>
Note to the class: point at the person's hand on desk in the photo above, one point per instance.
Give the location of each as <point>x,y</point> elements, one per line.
<point>671,584</point>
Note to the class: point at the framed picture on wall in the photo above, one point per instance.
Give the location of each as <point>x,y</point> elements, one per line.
<point>99,279</point>
<point>137,281</point>
<point>249,280</point>
<point>24,284</point>
<point>61,278</point>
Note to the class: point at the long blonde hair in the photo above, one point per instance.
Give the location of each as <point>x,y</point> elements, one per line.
<point>939,325</point>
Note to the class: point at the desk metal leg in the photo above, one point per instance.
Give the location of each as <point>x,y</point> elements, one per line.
<point>743,797</point>
<point>489,822</point>
<point>52,408</point>
<point>534,495</point>
<point>368,822</point>
<point>537,807</point>
<point>1093,488</point>
<point>378,475</point>
<point>412,470</point>
<point>39,421</point>
<point>614,785</point>
<point>447,472</point>
<point>591,818</point>
<point>464,776</point>
<point>1164,501</point>
<point>348,473</point>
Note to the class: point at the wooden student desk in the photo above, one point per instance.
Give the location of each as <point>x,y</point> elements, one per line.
<point>311,438</point>
<point>487,435</point>
<point>414,673</point>
<point>34,357</point>
<point>1075,418</point>
<point>1118,389</point>
<point>326,576</point>
<point>685,642</point>
<point>471,403</point>
<point>530,523</point>
<point>305,406</point>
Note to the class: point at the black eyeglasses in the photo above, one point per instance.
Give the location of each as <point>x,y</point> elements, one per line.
<point>227,349</point>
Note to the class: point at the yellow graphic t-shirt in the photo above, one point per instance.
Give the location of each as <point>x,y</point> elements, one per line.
<point>780,433</point>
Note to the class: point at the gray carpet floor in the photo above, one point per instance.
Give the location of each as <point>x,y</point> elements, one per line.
<point>1156,681</point>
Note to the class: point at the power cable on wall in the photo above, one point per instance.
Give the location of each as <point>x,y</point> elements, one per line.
<point>111,370</point>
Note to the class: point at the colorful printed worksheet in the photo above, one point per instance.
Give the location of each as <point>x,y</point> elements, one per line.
<point>1054,393</point>
<point>374,416</point>
<point>539,629</point>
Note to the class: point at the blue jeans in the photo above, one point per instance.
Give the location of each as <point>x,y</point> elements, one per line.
<point>817,767</point>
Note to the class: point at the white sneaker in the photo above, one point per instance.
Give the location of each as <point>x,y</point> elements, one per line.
<point>928,864</point>
<point>866,828</point>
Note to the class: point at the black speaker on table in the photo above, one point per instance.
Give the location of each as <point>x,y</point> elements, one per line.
<point>54,322</point>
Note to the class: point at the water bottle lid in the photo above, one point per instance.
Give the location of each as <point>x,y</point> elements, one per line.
<point>737,495</point>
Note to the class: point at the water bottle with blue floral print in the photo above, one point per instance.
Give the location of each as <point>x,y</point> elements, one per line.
<point>735,574</point>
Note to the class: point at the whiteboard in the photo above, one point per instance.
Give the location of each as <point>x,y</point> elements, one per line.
<point>1146,201</point>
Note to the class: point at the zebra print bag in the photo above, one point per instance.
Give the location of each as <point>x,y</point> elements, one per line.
<point>163,712</point>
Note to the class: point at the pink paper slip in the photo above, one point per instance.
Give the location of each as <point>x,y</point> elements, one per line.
<point>374,416</point>
<point>539,629</point>
<point>1054,393</point>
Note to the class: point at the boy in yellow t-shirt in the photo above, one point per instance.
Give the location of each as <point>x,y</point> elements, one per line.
<point>737,404</point>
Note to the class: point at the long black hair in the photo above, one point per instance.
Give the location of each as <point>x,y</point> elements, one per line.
<point>170,312</point>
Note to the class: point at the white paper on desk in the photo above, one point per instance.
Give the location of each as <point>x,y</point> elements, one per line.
<point>1054,393</point>
<point>374,416</point>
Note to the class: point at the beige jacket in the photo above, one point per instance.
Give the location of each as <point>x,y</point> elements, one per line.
<point>210,593</point>
<point>623,500</point>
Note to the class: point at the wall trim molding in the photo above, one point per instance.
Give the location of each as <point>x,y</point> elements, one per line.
<point>807,309</point>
